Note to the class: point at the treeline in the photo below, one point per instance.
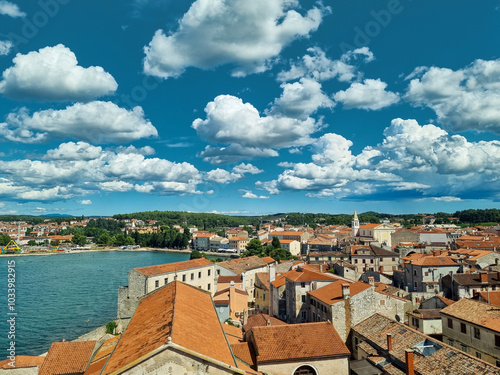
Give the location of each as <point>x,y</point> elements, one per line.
<point>203,221</point>
<point>491,215</point>
<point>110,232</point>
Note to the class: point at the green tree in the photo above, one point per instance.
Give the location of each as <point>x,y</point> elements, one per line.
<point>195,254</point>
<point>31,243</point>
<point>79,239</point>
<point>280,254</point>
<point>55,243</point>
<point>254,247</point>
<point>276,243</point>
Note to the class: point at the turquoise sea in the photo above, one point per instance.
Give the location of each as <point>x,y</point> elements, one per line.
<point>63,296</point>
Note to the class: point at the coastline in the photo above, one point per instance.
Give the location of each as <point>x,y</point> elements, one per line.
<point>99,250</point>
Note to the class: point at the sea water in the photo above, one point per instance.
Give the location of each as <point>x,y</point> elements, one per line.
<point>63,296</point>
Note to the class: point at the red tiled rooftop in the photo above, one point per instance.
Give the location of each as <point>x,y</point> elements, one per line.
<point>22,361</point>
<point>332,293</point>
<point>260,320</point>
<point>69,357</point>
<point>172,267</point>
<point>297,341</point>
<point>177,310</point>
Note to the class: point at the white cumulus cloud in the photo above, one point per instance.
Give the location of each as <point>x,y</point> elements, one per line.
<point>246,34</point>
<point>5,47</point>
<point>465,99</point>
<point>53,74</point>
<point>98,122</point>
<point>10,9</point>
<point>369,95</point>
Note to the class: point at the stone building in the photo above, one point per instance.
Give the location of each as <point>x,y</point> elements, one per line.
<point>311,348</point>
<point>424,274</point>
<point>394,348</point>
<point>373,258</point>
<point>474,328</point>
<point>347,304</point>
<point>174,330</point>
<point>197,272</point>
<point>466,285</point>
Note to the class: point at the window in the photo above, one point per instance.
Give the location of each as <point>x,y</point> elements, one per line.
<point>450,323</point>
<point>371,261</point>
<point>415,322</point>
<point>477,334</point>
<point>157,283</point>
<point>478,355</point>
<point>208,287</point>
<point>264,296</point>
<point>218,272</point>
<point>303,298</point>
<point>356,261</point>
<point>303,316</point>
<point>183,277</point>
<point>166,280</point>
<point>497,341</point>
<point>209,272</point>
<point>416,284</point>
<point>426,273</point>
<point>463,328</point>
<point>464,348</point>
<point>302,285</point>
<point>364,260</point>
<point>393,259</point>
<point>414,272</point>
<point>199,275</point>
<point>356,343</point>
<point>192,276</point>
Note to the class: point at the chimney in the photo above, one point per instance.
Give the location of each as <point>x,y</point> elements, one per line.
<point>371,280</point>
<point>346,291</point>
<point>484,277</point>
<point>231,284</point>
<point>272,274</point>
<point>389,342</point>
<point>410,369</point>
<point>268,322</point>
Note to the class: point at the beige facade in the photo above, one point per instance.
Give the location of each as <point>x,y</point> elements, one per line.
<point>339,365</point>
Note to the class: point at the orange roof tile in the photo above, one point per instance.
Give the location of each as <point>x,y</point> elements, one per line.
<point>68,357</point>
<point>172,267</point>
<point>435,261</point>
<point>177,310</point>
<point>260,320</point>
<point>22,361</point>
<point>479,313</point>
<point>286,233</point>
<point>297,341</point>
<point>244,353</point>
<point>268,260</point>
<point>332,293</point>
<point>492,297</point>
<point>303,275</point>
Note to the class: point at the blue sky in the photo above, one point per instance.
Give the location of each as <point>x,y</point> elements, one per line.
<point>249,107</point>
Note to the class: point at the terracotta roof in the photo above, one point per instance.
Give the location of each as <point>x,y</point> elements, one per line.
<point>474,279</point>
<point>479,313</point>
<point>177,310</point>
<point>440,358</point>
<point>68,357</point>
<point>447,301</point>
<point>239,239</point>
<point>260,320</point>
<point>263,278</point>
<point>279,281</point>
<point>268,260</point>
<point>390,291</point>
<point>286,233</point>
<point>302,275</point>
<point>228,279</point>
<point>297,341</point>
<point>244,352</point>
<point>233,331</point>
<point>332,293</point>
<point>368,226</point>
<point>435,261</point>
<point>426,313</point>
<point>241,265</point>
<point>491,297</point>
<point>172,267</point>
<point>22,361</point>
